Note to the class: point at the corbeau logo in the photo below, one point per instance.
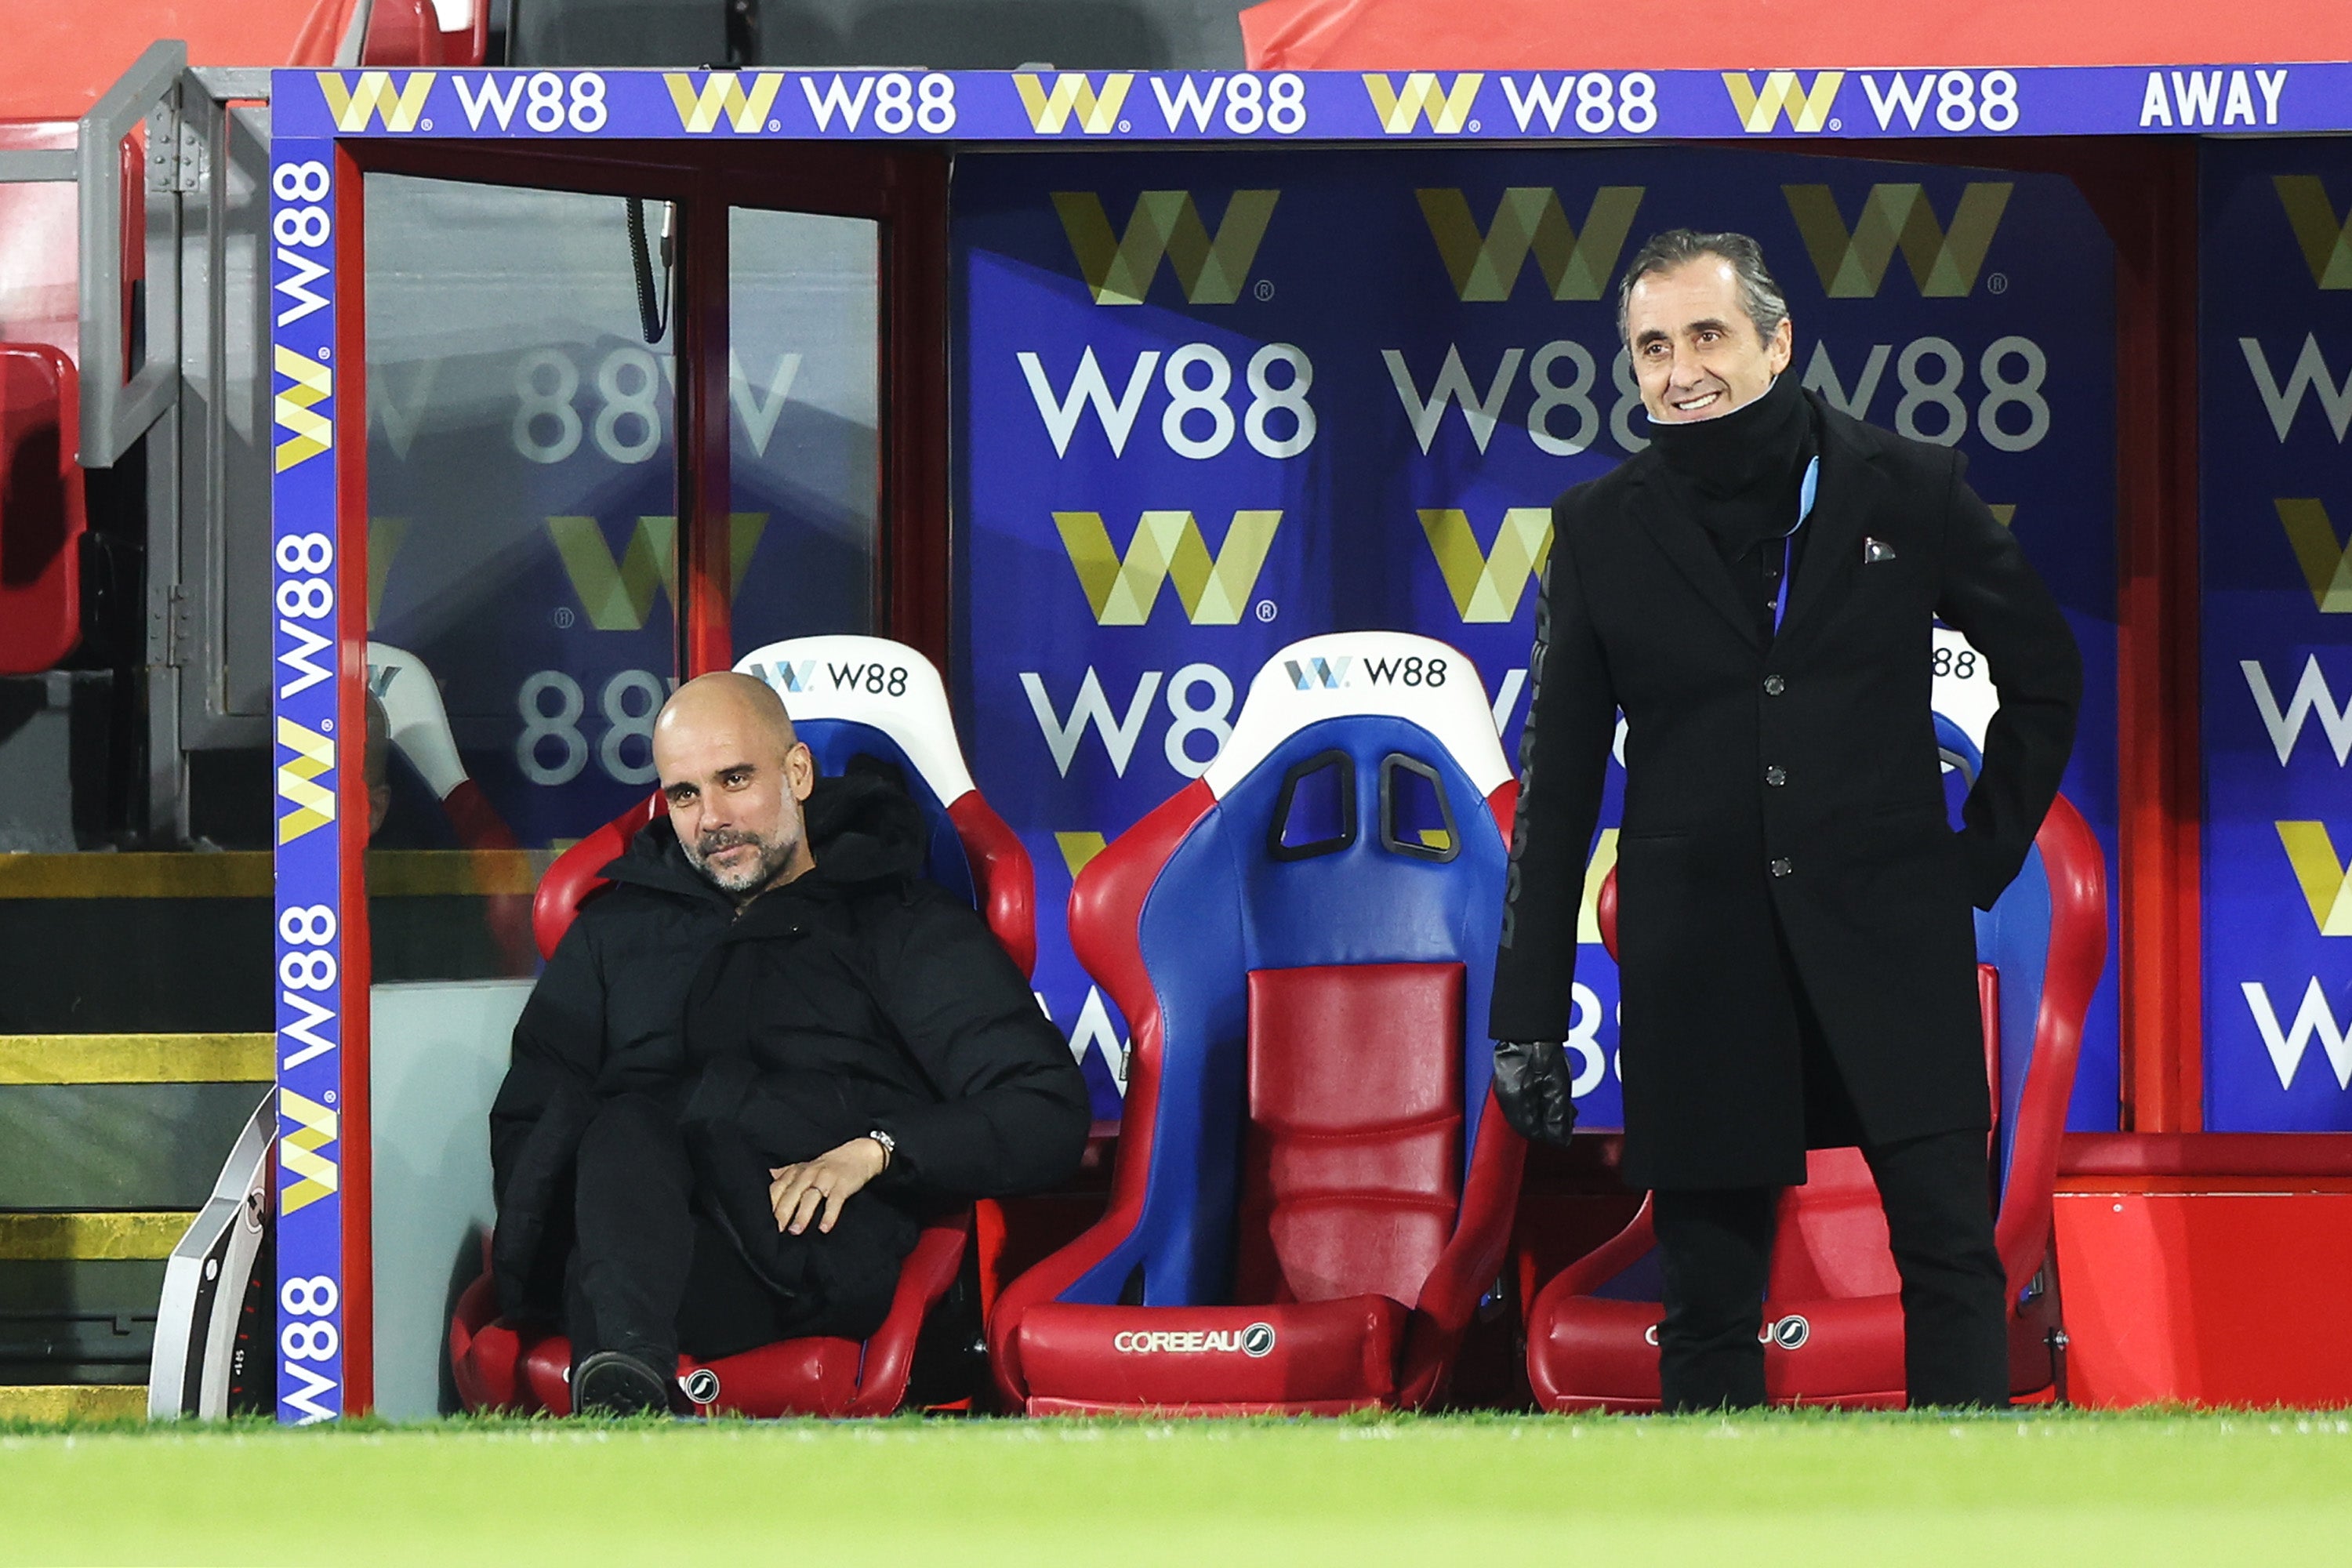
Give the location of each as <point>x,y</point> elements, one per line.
<point>1073,96</point>
<point>352,107</point>
<point>1447,108</point>
<point>1487,585</point>
<point>1122,589</point>
<point>723,96</point>
<point>298,1152</point>
<point>1530,219</point>
<point>295,408</point>
<point>2327,563</point>
<point>1120,270</point>
<point>297,785</point>
<point>1808,108</point>
<point>617,596</point>
<point>2326,886</point>
<point>1257,1340</point>
<point>1943,262</point>
<point>2326,239</point>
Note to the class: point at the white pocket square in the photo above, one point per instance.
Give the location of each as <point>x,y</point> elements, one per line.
<point>1874,550</point>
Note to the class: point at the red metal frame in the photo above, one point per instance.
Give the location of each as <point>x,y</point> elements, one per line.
<point>905,193</point>
<point>357,1142</point>
<point>2144,192</point>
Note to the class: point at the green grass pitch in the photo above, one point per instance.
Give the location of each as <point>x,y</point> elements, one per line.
<point>2218,1489</point>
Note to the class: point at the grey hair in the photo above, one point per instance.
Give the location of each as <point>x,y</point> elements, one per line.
<point>1759,291</point>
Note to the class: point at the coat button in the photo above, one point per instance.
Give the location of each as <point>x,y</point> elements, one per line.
<point>1776,777</point>
<point>1783,868</point>
<point>1774,686</point>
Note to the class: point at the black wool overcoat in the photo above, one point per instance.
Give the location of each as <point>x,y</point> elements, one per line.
<point>1791,780</point>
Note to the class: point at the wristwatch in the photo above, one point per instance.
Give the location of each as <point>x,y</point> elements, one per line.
<point>889,1145</point>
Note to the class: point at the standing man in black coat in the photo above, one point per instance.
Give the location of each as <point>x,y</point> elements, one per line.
<point>755,1062</point>
<point>1756,592</point>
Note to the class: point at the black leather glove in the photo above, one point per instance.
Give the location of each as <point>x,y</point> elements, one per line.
<point>1534,1086</point>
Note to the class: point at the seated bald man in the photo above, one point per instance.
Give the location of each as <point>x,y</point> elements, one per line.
<point>755,1063</point>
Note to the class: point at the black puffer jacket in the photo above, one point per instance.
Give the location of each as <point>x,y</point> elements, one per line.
<point>855,997</point>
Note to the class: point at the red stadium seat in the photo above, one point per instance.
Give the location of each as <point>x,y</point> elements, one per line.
<point>1832,1315</point>
<point>501,1367</point>
<point>408,33</point>
<point>1313,1185</point>
<point>912,734</point>
<point>41,515</point>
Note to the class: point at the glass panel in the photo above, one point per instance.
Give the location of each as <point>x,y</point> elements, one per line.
<point>804,312</point>
<point>522,521</point>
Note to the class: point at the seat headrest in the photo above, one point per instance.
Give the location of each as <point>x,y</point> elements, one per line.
<point>872,681</point>
<point>1384,674</point>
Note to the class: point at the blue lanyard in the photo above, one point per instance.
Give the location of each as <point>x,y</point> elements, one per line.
<point>1788,547</point>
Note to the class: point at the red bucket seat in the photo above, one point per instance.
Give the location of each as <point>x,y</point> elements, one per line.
<point>1832,1313</point>
<point>901,723</point>
<point>1313,1188</point>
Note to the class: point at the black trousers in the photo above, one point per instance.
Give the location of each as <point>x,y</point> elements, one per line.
<point>676,1249</point>
<point>1715,1251</point>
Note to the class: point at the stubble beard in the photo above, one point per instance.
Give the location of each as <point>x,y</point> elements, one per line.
<point>741,885</point>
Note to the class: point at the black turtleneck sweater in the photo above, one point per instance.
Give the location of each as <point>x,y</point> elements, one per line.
<point>1739,478</point>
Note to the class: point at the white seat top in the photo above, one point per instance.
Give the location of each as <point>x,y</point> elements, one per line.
<point>1416,679</point>
<point>870,680</point>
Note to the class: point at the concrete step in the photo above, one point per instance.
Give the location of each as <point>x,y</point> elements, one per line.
<point>137,942</point>
<point>92,1236</point>
<point>50,1403</point>
<point>58,1059</point>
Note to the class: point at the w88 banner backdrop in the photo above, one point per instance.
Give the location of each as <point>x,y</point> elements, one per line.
<point>1212,404</point>
<point>2276,352</point>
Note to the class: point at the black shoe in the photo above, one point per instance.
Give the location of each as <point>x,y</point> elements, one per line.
<point>615,1383</point>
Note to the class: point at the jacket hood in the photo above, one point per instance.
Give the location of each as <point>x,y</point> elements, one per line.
<point>861,828</point>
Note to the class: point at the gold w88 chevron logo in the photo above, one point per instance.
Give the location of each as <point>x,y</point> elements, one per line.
<point>298,1152</point>
<point>2324,238</point>
<point>1853,262</point>
<point>1074,96</point>
<point>1400,109</point>
<point>295,408</point>
<point>1759,109</point>
<point>2327,563</point>
<point>1118,269</point>
<point>1487,585</point>
<point>354,106</point>
<point>2326,881</point>
<point>298,780</point>
<point>722,97</point>
<point>1529,219</point>
<point>617,593</point>
<point>1121,589</point>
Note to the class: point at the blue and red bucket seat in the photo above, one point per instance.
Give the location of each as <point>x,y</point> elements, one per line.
<point>1313,1187</point>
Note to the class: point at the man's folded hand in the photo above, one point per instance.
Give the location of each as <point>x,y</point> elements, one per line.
<point>815,1189</point>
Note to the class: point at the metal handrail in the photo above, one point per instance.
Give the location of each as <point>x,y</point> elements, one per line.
<point>115,412</point>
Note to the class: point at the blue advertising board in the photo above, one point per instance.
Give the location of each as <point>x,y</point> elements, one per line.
<point>2276,404</point>
<point>1290,107</point>
<point>307,754</point>
<point>1209,404</point>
